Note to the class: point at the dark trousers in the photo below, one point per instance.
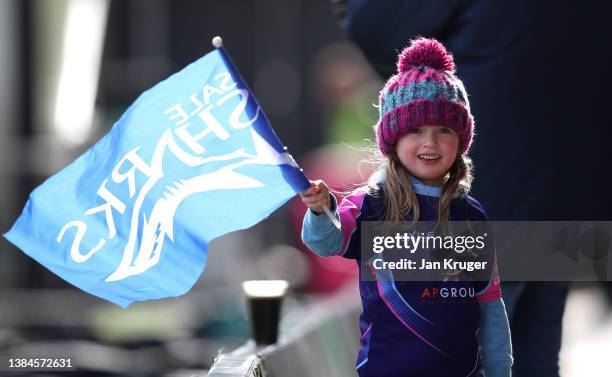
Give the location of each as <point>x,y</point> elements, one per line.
<point>535,311</point>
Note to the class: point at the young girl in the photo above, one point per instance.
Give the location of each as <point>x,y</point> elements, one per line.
<point>424,132</point>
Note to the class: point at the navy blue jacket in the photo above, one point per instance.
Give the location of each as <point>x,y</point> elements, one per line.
<point>538,74</point>
<point>407,329</point>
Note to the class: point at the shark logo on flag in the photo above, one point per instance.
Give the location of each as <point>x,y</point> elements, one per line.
<point>192,159</point>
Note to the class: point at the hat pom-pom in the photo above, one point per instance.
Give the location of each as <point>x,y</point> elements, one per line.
<point>425,52</point>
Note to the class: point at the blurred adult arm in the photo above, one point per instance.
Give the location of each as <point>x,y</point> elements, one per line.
<point>383,28</point>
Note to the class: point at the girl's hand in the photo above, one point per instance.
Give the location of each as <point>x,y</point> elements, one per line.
<point>317,196</point>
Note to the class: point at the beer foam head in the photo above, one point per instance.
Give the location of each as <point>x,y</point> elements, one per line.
<point>265,288</point>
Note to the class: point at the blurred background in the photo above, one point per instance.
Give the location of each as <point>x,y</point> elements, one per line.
<point>69,68</point>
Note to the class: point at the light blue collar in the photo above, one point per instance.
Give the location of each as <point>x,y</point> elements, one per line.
<point>423,189</point>
<point>419,187</point>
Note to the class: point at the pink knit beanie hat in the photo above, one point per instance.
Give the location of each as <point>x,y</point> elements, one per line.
<point>425,91</point>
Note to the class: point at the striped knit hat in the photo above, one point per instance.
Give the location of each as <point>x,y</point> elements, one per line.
<point>425,91</point>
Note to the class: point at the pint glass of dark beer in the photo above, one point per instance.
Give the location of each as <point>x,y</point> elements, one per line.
<point>264,299</point>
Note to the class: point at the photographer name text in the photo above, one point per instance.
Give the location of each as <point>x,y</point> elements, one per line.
<point>445,264</point>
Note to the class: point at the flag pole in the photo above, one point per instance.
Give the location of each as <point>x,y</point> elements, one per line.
<point>217,42</point>
<point>331,216</point>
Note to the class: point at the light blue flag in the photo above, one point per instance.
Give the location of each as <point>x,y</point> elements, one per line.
<point>192,159</point>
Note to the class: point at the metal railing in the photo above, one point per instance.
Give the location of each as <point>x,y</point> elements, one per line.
<point>320,339</point>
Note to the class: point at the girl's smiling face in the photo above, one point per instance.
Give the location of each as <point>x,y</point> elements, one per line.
<point>428,152</point>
